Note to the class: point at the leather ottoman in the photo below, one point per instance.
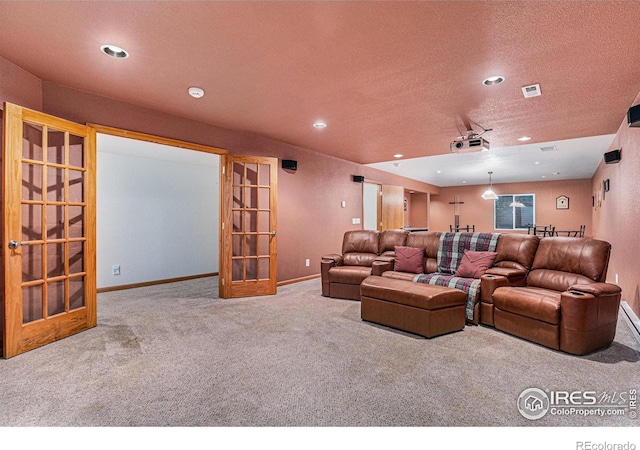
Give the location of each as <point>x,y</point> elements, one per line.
<point>418,308</point>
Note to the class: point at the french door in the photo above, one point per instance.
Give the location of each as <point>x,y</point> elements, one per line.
<point>248,228</point>
<point>48,229</point>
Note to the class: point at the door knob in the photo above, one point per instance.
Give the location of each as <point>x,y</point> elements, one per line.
<point>273,233</point>
<point>15,244</point>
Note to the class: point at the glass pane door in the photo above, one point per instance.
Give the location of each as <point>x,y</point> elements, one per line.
<point>250,190</point>
<point>52,222</point>
<point>49,239</point>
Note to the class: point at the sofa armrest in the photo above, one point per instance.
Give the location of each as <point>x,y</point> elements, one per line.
<point>515,276</point>
<point>328,261</point>
<point>596,289</point>
<point>333,259</point>
<point>488,284</point>
<point>382,264</point>
<point>588,317</point>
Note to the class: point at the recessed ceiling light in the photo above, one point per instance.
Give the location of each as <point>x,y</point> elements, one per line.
<point>492,81</point>
<point>464,182</point>
<point>524,138</point>
<point>320,124</point>
<point>114,51</point>
<point>555,173</point>
<point>396,164</point>
<point>438,171</point>
<point>543,176</point>
<point>537,162</point>
<point>398,155</point>
<point>196,92</point>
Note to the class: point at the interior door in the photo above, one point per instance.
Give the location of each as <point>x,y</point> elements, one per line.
<point>248,263</point>
<point>48,229</point>
<point>392,207</point>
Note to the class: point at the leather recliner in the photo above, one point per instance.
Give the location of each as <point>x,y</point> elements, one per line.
<point>565,303</point>
<point>342,274</point>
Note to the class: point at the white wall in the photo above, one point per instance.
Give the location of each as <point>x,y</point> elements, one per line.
<point>157,211</point>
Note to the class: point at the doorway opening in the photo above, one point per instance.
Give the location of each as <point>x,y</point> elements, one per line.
<point>158,213</point>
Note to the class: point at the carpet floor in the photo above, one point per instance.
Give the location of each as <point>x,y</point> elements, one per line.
<point>176,355</point>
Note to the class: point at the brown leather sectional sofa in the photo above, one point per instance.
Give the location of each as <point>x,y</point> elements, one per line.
<point>549,290</point>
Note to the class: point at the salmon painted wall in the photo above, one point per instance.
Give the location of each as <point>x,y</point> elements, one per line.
<point>19,86</point>
<point>311,220</point>
<point>616,219</point>
<point>479,212</point>
<point>417,215</point>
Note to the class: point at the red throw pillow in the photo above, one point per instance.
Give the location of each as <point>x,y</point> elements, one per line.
<point>475,264</point>
<point>408,259</point>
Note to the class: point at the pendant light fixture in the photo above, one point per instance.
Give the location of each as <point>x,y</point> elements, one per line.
<point>489,194</point>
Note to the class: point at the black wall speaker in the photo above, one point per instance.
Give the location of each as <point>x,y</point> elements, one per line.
<point>633,116</point>
<point>612,157</point>
<point>290,164</point>
<point>358,178</point>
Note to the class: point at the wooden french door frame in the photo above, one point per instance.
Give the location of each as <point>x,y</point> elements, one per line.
<point>18,337</point>
<point>228,288</point>
<point>248,250</point>
<point>48,229</point>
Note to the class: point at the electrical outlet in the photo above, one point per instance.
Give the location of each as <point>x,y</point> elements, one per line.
<point>115,270</point>
<point>307,262</point>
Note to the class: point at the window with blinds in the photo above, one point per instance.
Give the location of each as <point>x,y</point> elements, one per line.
<point>514,211</point>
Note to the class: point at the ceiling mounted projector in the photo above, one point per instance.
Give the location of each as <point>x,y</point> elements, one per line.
<point>467,145</point>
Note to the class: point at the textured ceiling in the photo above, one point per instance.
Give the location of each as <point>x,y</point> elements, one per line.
<point>386,77</point>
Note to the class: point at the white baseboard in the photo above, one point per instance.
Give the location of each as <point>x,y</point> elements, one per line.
<point>631,318</point>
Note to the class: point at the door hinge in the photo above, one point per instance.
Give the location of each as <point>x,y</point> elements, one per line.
<point>224,170</point>
<point>223,225</point>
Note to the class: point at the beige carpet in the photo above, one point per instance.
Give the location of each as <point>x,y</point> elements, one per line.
<point>176,355</point>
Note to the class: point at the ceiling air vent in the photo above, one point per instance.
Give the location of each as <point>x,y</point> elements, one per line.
<point>551,148</point>
<point>531,91</point>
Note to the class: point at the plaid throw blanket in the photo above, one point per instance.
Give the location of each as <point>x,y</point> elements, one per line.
<point>450,251</point>
<point>452,246</point>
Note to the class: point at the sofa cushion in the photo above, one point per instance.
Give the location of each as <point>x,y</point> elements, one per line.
<point>556,280</point>
<point>408,259</point>
<point>581,256</point>
<point>516,251</point>
<point>474,264</point>
<point>389,239</point>
<point>535,303</point>
<point>429,240</point>
<point>358,259</point>
<point>398,275</point>
<point>349,274</point>
<point>360,241</point>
